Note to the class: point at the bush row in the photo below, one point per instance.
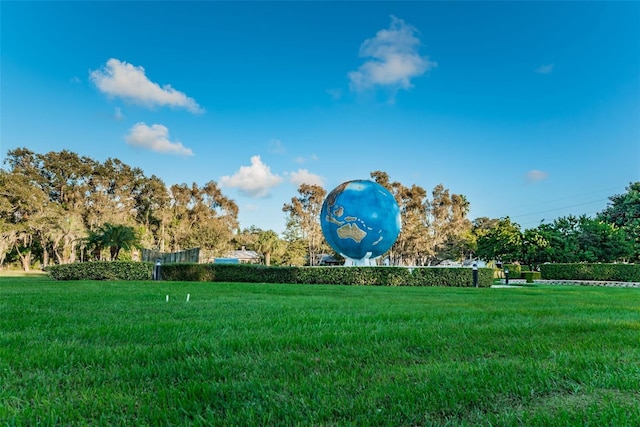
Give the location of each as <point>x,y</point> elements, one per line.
<point>597,272</point>
<point>102,270</point>
<point>375,276</point>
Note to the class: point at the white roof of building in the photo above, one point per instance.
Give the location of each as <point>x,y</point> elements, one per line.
<point>242,254</point>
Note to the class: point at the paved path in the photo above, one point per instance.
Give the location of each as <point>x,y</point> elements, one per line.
<point>570,282</point>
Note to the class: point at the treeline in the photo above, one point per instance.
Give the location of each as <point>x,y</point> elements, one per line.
<point>52,207</point>
<point>570,239</point>
<point>61,208</point>
<point>437,228</point>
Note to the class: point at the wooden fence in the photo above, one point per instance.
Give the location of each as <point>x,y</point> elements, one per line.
<point>190,255</point>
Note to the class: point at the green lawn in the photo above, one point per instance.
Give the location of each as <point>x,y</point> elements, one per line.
<point>117,353</point>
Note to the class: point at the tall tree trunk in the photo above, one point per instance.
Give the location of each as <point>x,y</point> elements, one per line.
<point>45,257</point>
<point>56,252</point>
<point>25,259</point>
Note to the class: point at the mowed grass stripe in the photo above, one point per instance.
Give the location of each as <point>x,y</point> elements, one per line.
<point>242,354</point>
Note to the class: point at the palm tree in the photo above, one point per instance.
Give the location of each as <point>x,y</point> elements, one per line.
<point>95,243</point>
<point>268,242</point>
<point>115,237</point>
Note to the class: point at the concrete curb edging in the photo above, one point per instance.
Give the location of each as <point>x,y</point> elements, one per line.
<point>572,282</point>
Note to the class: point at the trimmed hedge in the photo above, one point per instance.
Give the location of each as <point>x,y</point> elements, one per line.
<point>514,270</point>
<point>370,276</point>
<point>596,272</point>
<point>102,270</point>
<point>373,276</point>
<point>530,276</point>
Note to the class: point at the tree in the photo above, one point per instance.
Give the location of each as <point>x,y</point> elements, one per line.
<point>304,219</point>
<point>60,234</point>
<point>65,177</point>
<point>150,199</point>
<point>573,239</point>
<point>432,230</point>
<point>480,227</point>
<point>201,217</point>
<point>294,252</point>
<point>50,202</point>
<point>247,237</point>
<point>534,247</point>
<point>115,237</point>
<point>412,245</point>
<point>602,242</point>
<point>268,243</point>
<point>447,223</point>
<point>564,239</point>
<point>7,237</point>
<point>503,241</point>
<point>95,242</point>
<point>21,203</point>
<point>624,213</point>
<point>114,189</point>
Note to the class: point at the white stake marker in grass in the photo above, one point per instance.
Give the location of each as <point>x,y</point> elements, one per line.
<point>188,296</point>
<point>167,298</point>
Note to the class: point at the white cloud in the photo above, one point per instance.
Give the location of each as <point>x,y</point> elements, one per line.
<point>536,175</point>
<point>393,59</point>
<point>544,69</point>
<point>303,176</point>
<point>117,114</point>
<point>155,138</point>
<point>123,80</point>
<point>302,159</point>
<point>335,94</point>
<point>277,147</point>
<point>253,181</point>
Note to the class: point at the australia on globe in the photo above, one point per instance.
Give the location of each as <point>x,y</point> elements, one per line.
<point>360,220</point>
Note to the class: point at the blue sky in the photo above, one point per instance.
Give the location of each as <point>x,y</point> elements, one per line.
<point>529,109</point>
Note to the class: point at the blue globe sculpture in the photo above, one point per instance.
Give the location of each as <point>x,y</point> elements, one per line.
<point>360,220</point>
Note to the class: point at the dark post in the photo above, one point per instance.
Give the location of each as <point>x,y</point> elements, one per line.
<point>475,275</point>
<point>157,270</point>
<point>506,276</point>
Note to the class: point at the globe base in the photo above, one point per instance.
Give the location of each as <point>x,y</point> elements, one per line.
<point>365,261</point>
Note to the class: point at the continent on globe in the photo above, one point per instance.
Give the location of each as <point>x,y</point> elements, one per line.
<point>360,220</point>
<point>351,231</point>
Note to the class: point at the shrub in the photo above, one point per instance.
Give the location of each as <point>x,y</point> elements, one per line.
<point>514,270</point>
<point>102,270</point>
<point>530,276</point>
<point>458,277</point>
<point>597,272</point>
<point>370,276</point>
<point>188,272</point>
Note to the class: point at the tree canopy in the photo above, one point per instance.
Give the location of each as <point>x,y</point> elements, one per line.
<point>54,205</point>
